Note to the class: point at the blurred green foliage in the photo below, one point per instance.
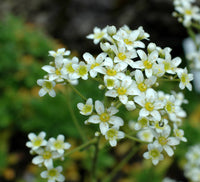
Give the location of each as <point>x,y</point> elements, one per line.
<point>23,51</point>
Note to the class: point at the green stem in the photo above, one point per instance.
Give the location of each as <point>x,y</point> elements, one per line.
<point>120,165</point>
<point>94,140</point>
<point>169,80</point>
<point>196,25</point>
<point>94,162</point>
<point>77,92</point>
<point>75,121</point>
<point>135,139</point>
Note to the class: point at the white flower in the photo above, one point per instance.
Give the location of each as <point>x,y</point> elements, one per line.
<point>142,34</point>
<point>170,65</point>
<point>58,144</point>
<point>140,84</point>
<point>193,154</point>
<point>146,62</point>
<point>166,142</point>
<point>146,135</point>
<point>123,57</point>
<point>93,63</point>
<point>59,52</point>
<point>122,89</point>
<point>189,13</point>
<point>98,35</point>
<point>67,68</point>
<point>142,122</point>
<point>45,156</point>
<point>105,117</point>
<point>150,104</point>
<point>53,174</point>
<point>47,87</point>
<point>179,134</point>
<point>129,39</point>
<point>185,78</point>
<point>154,153</point>
<point>87,108</point>
<point>159,126</point>
<point>36,141</point>
<point>112,134</point>
<point>55,71</point>
<point>81,71</point>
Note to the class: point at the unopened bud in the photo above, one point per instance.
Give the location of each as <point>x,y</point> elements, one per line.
<point>151,47</point>
<point>101,87</point>
<point>111,30</point>
<point>105,46</point>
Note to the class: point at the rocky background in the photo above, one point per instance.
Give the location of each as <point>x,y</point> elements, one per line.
<point>71,20</point>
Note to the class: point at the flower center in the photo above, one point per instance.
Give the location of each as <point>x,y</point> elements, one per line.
<point>121,56</point>
<point>184,78</point>
<point>142,87</point>
<point>178,133</point>
<point>82,70</point>
<point>143,122</point>
<point>47,85</point>
<point>160,125</point>
<point>111,72</point>
<point>147,64</point>
<point>104,117</point>
<point>47,155</point>
<point>69,68</point>
<point>52,173</point>
<point>37,142</point>
<point>154,153</point>
<point>128,42</point>
<point>188,12</point>
<point>94,65</point>
<point>167,65</point>
<point>162,140</point>
<point>146,135</point>
<point>169,107</point>
<point>149,106</point>
<point>98,35</point>
<point>57,72</point>
<point>110,82</point>
<point>58,144</point>
<point>112,134</point>
<point>121,90</point>
<point>87,108</point>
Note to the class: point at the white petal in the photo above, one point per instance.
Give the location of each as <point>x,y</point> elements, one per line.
<point>169,150</point>
<point>99,107</point>
<point>113,143</point>
<point>103,127</point>
<point>94,119</point>
<point>88,58</point>
<point>42,92</point>
<point>44,174</point>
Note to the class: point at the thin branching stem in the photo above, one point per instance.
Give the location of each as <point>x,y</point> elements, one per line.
<point>81,147</point>
<point>121,164</point>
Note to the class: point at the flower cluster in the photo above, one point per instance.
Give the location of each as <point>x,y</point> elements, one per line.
<point>108,123</point>
<point>46,152</point>
<point>186,12</point>
<point>129,72</point>
<point>192,166</point>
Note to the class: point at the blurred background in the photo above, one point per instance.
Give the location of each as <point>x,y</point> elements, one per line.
<point>28,30</point>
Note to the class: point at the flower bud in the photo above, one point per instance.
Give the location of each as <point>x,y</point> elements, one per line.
<point>111,30</point>
<point>151,47</point>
